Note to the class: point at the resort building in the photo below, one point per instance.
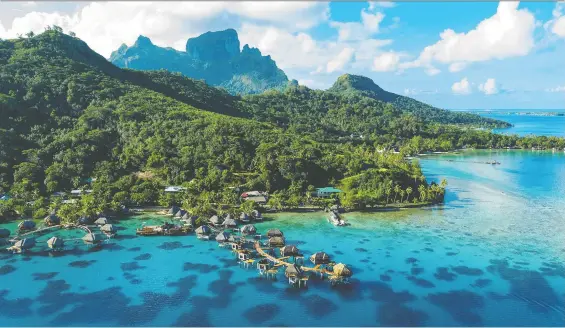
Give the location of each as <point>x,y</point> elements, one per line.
<point>79,192</point>
<point>326,192</point>
<point>175,189</point>
<point>259,197</point>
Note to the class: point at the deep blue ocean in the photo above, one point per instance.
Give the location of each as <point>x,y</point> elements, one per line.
<point>529,124</point>
<point>492,255</point>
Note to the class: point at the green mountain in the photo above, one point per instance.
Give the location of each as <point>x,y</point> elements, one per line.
<point>355,84</point>
<point>68,116</point>
<point>214,57</point>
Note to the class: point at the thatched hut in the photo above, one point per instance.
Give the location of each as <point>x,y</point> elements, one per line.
<point>256,215</point>
<point>55,243</point>
<point>52,220</point>
<point>274,233</point>
<point>248,229</point>
<point>243,217</point>
<point>173,210</point>
<point>229,223</point>
<point>4,233</point>
<point>276,241</point>
<point>341,270</point>
<point>222,237</point>
<point>24,244</point>
<point>92,239</point>
<point>216,220</point>
<point>179,214</point>
<point>320,258</point>
<point>109,229</point>
<point>290,250</point>
<point>26,225</point>
<point>203,230</point>
<point>229,216</point>
<point>293,271</point>
<point>101,221</point>
<point>189,219</point>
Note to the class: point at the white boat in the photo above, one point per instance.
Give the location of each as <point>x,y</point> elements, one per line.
<point>335,219</point>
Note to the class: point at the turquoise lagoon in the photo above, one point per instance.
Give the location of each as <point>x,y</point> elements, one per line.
<point>492,255</point>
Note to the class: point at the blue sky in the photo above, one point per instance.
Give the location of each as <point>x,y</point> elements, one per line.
<point>460,55</point>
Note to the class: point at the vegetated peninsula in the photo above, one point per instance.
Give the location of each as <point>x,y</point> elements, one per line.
<point>71,120</point>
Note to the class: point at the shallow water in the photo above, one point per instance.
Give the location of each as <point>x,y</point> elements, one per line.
<point>492,255</point>
<point>530,124</point>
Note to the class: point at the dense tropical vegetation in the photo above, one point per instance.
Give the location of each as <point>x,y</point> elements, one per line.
<point>72,120</point>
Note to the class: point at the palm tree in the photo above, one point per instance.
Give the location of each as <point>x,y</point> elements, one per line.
<point>408,192</point>
<point>422,191</point>
<point>402,193</point>
<point>396,192</point>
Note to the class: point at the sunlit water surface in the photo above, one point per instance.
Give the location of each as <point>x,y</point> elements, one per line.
<point>492,255</point>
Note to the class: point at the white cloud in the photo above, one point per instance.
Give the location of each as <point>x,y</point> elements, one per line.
<point>456,67</point>
<point>339,62</point>
<point>384,4</point>
<point>431,71</point>
<point>355,31</point>
<point>489,87</point>
<point>557,24</point>
<point>462,87</point>
<point>508,33</point>
<point>106,25</point>
<point>556,89</point>
<point>386,62</point>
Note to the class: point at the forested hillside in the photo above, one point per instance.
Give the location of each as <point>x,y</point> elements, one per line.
<point>70,119</point>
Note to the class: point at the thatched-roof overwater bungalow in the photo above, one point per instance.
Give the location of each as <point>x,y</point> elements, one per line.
<point>173,210</point>
<point>101,221</point>
<point>4,233</point>
<point>290,250</point>
<point>179,214</point>
<point>222,237</point>
<point>216,220</point>
<point>341,274</point>
<point>276,241</point>
<point>243,217</point>
<point>295,275</point>
<point>229,223</point>
<point>189,220</point>
<point>320,258</point>
<point>92,239</point>
<point>23,245</point>
<point>203,232</point>
<point>52,220</point>
<point>274,233</point>
<point>56,243</point>
<point>257,215</point>
<point>248,229</point>
<point>109,229</point>
<point>26,225</point>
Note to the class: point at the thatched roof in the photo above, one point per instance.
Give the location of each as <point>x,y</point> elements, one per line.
<point>25,243</point>
<point>26,225</point>
<point>108,228</point>
<point>276,241</point>
<point>290,250</point>
<point>230,223</point>
<point>244,216</point>
<point>320,258</point>
<point>179,214</point>
<point>248,229</point>
<point>229,216</point>
<point>274,233</point>
<point>216,220</point>
<point>52,219</point>
<point>342,270</point>
<point>92,238</point>
<point>203,230</point>
<point>293,270</point>
<point>173,210</point>
<point>55,242</point>
<point>256,214</point>
<point>101,221</point>
<point>4,233</point>
<point>222,237</point>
